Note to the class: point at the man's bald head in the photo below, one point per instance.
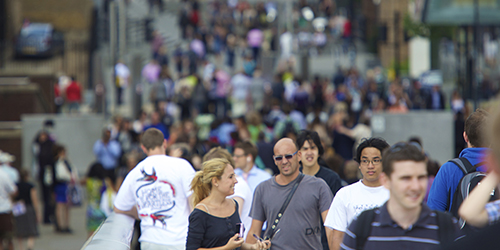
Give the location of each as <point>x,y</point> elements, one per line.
<point>285,142</point>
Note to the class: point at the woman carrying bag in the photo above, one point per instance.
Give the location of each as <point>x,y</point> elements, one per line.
<point>65,176</point>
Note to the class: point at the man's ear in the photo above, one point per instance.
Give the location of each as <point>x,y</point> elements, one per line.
<point>385,180</point>
<point>466,138</point>
<point>144,149</point>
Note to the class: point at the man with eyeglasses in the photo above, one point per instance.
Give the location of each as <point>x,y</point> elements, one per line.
<point>244,160</point>
<point>403,222</point>
<point>365,194</point>
<point>299,226</point>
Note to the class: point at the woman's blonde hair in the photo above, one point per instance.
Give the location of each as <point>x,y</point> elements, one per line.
<point>202,181</point>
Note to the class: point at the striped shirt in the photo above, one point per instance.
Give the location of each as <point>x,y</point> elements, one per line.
<point>493,210</point>
<point>387,234</point>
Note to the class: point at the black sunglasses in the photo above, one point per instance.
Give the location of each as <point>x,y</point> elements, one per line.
<point>287,156</point>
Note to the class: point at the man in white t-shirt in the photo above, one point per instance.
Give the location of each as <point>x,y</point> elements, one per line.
<point>365,194</point>
<point>242,192</point>
<point>157,192</point>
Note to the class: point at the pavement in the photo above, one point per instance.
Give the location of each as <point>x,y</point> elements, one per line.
<point>50,240</point>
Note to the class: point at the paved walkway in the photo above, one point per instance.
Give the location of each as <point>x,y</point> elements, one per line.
<point>50,240</point>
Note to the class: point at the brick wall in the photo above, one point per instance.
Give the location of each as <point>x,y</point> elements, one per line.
<point>65,15</point>
<point>386,51</point>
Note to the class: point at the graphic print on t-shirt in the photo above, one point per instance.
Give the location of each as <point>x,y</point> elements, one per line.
<point>157,196</point>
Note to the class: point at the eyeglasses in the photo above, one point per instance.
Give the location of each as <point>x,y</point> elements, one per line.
<point>375,162</point>
<point>287,156</point>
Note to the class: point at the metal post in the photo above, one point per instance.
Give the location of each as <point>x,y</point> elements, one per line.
<point>112,31</point>
<point>475,84</point>
<point>122,29</point>
<point>396,43</point>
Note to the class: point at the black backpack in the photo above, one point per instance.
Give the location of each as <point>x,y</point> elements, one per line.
<point>445,230</point>
<point>471,179</point>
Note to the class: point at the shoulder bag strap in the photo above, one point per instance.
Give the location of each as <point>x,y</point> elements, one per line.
<point>445,228</point>
<point>363,227</point>
<point>274,226</point>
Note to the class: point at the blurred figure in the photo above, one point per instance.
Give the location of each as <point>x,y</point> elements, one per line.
<point>74,96</point>
<point>8,190</point>
<point>65,175</point>
<point>5,160</point>
<point>435,99</point>
<point>27,221</point>
<point>122,74</point>
<point>107,152</point>
<point>42,151</point>
<point>95,184</point>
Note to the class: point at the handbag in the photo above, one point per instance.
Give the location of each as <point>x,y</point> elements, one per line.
<point>18,208</point>
<point>62,172</point>
<point>274,226</point>
<point>75,195</point>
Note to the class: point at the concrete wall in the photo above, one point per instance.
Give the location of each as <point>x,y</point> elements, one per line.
<point>77,133</point>
<point>434,128</point>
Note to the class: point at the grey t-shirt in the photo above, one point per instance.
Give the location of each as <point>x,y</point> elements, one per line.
<point>300,226</point>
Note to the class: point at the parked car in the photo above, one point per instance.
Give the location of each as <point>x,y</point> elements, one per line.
<point>39,40</point>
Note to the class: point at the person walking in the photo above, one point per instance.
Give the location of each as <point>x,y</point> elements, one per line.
<point>65,175</point>
<point>28,215</point>
<point>295,224</point>
<point>157,193</point>
<point>8,190</point>
<point>215,221</point>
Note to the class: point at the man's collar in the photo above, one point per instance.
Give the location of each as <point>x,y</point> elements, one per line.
<point>386,220</point>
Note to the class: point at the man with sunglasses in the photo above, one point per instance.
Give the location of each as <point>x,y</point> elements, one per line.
<point>403,222</point>
<point>365,194</point>
<point>300,224</point>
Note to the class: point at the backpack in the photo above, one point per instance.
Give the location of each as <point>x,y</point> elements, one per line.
<point>365,219</point>
<point>471,179</point>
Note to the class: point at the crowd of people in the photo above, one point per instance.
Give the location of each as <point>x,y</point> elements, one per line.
<point>209,207</point>
<point>247,148</point>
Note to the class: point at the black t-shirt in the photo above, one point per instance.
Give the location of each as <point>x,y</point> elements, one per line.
<point>24,192</point>
<point>207,231</point>
<point>331,178</point>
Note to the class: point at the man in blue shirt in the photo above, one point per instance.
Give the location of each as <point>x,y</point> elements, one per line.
<point>449,175</point>
<point>107,153</point>
<point>244,160</point>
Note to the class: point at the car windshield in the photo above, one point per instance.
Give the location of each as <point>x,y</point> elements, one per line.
<point>34,31</point>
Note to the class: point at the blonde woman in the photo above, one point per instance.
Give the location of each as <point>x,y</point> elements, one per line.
<point>215,221</point>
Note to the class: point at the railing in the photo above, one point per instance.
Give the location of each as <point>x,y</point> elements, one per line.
<point>114,233</point>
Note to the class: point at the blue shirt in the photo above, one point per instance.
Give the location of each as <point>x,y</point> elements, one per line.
<point>255,176</point>
<point>108,154</point>
<point>160,126</point>
<point>449,176</point>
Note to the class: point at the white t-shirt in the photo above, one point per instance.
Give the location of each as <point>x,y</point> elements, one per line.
<point>7,187</point>
<point>350,201</point>
<point>159,186</point>
<point>242,190</point>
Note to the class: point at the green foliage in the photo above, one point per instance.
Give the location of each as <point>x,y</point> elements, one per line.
<point>414,28</point>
